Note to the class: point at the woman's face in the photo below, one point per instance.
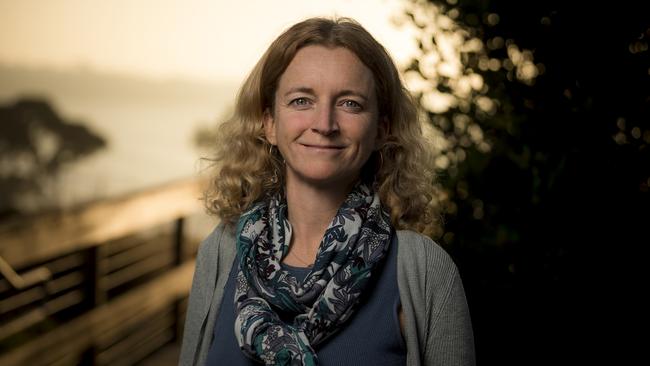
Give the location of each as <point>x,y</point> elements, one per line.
<point>325,121</point>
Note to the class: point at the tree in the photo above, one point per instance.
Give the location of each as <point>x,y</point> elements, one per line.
<point>35,143</point>
<point>546,164</point>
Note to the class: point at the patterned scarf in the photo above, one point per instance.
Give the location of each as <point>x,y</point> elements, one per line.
<point>354,243</point>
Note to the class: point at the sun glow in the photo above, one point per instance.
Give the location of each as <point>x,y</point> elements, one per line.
<point>194,39</point>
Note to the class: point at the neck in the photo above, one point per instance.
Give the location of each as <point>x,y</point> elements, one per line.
<point>311,210</point>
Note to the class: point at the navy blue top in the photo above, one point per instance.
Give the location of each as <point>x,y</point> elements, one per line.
<point>370,337</point>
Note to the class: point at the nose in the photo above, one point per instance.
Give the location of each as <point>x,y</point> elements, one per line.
<point>325,121</point>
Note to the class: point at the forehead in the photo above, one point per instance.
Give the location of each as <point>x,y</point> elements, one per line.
<point>320,67</point>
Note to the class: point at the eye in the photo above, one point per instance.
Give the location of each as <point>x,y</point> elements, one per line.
<point>299,102</point>
<point>352,105</point>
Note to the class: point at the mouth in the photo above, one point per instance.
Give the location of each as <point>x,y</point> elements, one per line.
<point>323,147</point>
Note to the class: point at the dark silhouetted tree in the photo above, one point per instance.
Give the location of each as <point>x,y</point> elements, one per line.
<point>546,210</point>
<point>35,143</point>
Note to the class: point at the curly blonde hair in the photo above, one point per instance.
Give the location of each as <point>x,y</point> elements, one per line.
<point>248,168</point>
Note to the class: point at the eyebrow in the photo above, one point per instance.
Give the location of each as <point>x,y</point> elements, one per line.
<point>307,90</point>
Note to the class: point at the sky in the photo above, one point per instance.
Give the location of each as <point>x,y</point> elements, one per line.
<point>121,68</point>
<point>208,40</point>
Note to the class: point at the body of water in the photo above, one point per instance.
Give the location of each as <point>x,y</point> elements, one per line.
<point>149,126</point>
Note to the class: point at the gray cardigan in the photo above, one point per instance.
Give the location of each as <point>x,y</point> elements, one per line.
<point>437,326</point>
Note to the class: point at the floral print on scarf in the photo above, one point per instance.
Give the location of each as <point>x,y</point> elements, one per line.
<point>354,244</point>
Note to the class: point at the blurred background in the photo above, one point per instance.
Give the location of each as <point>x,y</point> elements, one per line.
<point>539,112</point>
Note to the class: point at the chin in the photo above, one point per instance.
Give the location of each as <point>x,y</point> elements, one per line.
<point>325,178</point>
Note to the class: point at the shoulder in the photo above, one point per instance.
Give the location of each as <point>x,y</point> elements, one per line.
<point>213,262</point>
<point>220,240</point>
<point>416,248</point>
<point>425,269</point>
<point>215,253</point>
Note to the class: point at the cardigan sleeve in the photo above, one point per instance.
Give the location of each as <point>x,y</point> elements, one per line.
<point>197,304</point>
<point>201,297</point>
<point>438,328</point>
<point>450,339</point>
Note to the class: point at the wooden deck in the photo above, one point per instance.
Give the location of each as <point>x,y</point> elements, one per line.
<point>104,284</point>
<point>166,356</point>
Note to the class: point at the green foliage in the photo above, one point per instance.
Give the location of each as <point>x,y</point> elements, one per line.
<point>563,188</point>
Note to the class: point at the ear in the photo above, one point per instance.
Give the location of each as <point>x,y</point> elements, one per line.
<point>383,129</point>
<point>269,127</point>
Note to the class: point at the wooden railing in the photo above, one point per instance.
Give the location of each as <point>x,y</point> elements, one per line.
<point>104,284</point>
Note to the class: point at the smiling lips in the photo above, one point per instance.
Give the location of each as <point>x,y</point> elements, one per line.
<point>323,147</point>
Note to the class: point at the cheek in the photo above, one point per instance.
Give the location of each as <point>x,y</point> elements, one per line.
<point>290,125</point>
<point>369,137</point>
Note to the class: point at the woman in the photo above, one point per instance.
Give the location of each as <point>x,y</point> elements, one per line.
<point>323,186</point>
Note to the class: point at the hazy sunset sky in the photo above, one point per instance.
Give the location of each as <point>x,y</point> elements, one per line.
<point>196,39</point>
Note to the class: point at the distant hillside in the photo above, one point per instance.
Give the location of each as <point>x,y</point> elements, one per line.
<point>150,126</point>
<point>86,83</point>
